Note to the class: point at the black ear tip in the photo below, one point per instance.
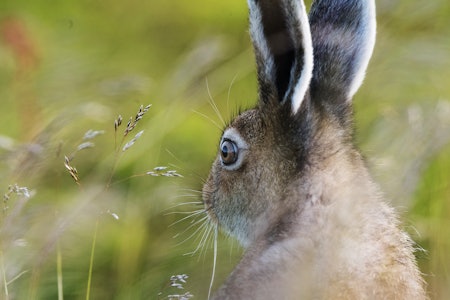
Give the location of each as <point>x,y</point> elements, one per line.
<point>340,66</point>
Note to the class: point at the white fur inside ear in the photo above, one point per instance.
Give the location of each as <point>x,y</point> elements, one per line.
<point>233,135</point>
<point>308,59</point>
<point>259,40</point>
<point>368,34</point>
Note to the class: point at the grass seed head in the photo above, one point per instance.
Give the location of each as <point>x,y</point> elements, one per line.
<point>117,122</point>
<point>133,122</point>
<point>72,170</point>
<point>90,134</point>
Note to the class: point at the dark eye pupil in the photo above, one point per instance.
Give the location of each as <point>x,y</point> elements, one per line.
<point>225,151</point>
<point>229,152</point>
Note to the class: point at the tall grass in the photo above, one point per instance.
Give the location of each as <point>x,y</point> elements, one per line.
<point>78,65</point>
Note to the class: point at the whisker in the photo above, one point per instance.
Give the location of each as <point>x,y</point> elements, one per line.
<point>187,203</point>
<point>195,232</point>
<point>202,227</point>
<point>192,214</point>
<point>182,204</point>
<point>209,119</point>
<point>193,223</point>
<point>190,197</point>
<point>188,217</point>
<point>229,93</point>
<point>214,263</point>
<point>187,196</point>
<point>233,244</point>
<point>213,104</point>
<point>184,168</point>
<point>204,246</point>
<point>200,244</point>
<point>184,212</point>
<point>190,190</point>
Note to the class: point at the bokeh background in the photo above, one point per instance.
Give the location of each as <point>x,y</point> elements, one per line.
<point>67,67</point>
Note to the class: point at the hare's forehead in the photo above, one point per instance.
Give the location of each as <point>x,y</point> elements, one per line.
<point>249,125</point>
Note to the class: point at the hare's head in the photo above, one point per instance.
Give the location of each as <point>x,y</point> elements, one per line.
<point>308,70</point>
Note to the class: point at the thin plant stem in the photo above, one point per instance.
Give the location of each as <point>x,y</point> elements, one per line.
<point>117,155</point>
<point>59,272</point>
<point>5,283</point>
<point>91,263</point>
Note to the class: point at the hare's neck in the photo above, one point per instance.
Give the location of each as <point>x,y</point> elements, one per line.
<point>270,268</point>
<point>308,245</point>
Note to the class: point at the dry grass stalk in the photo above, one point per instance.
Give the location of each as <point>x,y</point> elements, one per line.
<point>132,123</point>
<point>85,145</point>
<point>162,171</point>
<point>90,134</point>
<point>117,122</point>
<point>14,189</point>
<point>133,140</point>
<point>18,190</point>
<point>177,281</point>
<point>72,170</point>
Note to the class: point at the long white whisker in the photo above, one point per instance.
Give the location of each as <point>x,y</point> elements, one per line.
<point>190,190</point>
<point>195,232</point>
<point>193,223</point>
<point>205,244</point>
<point>209,119</point>
<point>196,204</point>
<point>214,263</point>
<point>229,93</point>
<point>202,227</point>
<point>213,104</point>
<point>184,203</point>
<point>200,244</point>
<point>187,217</point>
<point>183,212</point>
<point>188,196</point>
<point>232,247</point>
<point>184,168</point>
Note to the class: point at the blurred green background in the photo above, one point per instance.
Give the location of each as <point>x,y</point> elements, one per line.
<point>67,67</point>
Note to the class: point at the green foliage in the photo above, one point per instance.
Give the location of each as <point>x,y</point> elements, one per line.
<point>67,67</point>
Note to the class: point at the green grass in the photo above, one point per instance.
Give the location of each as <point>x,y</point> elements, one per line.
<point>89,61</point>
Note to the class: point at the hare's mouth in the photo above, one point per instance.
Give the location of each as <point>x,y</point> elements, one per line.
<point>208,204</point>
<point>209,209</point>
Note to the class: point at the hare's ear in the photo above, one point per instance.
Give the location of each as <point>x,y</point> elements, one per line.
<point>283,47</point>
<point>343,34</point>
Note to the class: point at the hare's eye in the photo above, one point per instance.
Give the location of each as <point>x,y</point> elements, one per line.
<point>228,152</point>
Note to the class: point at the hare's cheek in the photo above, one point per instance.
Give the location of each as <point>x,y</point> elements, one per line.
<point>208,192</point>
<point>212,195</point>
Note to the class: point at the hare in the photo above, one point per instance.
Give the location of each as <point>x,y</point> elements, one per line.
<point>288,182</point>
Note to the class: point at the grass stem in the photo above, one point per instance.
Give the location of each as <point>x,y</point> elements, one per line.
<point>91,263</point>
<point>59,272</point>
<point>5,283</point>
